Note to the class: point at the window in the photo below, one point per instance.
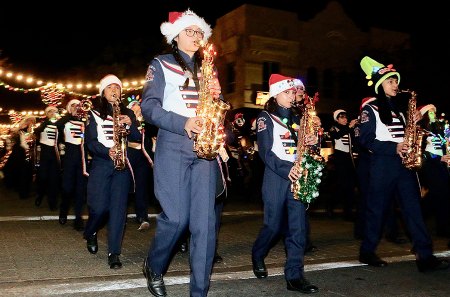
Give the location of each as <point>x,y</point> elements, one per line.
<point>268,69</point>
<point>231,78</point>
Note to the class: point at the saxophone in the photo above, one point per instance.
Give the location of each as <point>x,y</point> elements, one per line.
<point>412,159</point>
<point>211,139</point>
<point>120,138</point>
<point>309,162</point>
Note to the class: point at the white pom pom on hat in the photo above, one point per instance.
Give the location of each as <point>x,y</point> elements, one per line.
<point>181,20</point>
<point>108,80</point>
<point>279,83</point>
<point>425,108</point>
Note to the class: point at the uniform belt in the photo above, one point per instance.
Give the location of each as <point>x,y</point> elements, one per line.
<point>135,145</point>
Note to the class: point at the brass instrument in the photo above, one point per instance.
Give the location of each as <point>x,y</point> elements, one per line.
<point>120,137</point>
<point>82,109</point>
<point>211,139</point>
<point>412,159</point>
<point>309,162</point>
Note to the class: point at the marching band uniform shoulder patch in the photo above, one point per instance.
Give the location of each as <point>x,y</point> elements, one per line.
<point>261,124</point>
<point>364,116</point>
<point>149,75</point>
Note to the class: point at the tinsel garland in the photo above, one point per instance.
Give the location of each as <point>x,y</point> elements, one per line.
<point>309,181</point>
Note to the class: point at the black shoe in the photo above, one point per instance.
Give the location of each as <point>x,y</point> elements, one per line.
<point>78,224</point>
<point>114,261</point>
<point>301,285</point>
<point>431,264</point>
<point>184,247</point>
<point>310,249</point>
<point>217,258</point>
<point>397,240</point>
<point>62,220</point>
<point>38,200</point>
<point>259,268</point>
<point>92,244</point>
<point>372,259</point>
<point>155,282</point>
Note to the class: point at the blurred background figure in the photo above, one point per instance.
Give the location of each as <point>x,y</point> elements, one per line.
<point>74,175</point>
<point>19,166</point>
<point>140,154</point>
<point>434,171</point>
<point>342,135</point>
<point>48,177</point>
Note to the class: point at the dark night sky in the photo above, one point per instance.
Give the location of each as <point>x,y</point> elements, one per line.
<point>76,38</point>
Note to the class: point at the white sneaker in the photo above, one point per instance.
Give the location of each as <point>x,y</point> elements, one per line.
<point>144,226</point>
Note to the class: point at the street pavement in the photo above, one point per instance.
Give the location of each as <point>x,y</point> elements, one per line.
<point>42,258</point>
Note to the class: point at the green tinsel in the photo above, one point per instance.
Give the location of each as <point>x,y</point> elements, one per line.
<point>309,181</point>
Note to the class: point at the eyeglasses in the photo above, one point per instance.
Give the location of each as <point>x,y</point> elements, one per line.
<point>192,32</point>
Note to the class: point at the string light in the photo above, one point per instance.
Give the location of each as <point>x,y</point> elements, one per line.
<point>129,84</point>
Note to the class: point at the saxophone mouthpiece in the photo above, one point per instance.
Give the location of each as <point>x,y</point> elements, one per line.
<point>199,43</point>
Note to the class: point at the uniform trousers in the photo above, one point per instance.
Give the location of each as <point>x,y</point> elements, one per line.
<point>107,195</point>
<point>389,179</point>
<point>185,187</point>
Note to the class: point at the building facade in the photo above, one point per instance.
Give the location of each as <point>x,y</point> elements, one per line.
<point>253,42</point>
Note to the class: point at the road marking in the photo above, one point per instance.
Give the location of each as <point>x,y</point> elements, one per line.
<point>98,286</point>
<point>130,216</point>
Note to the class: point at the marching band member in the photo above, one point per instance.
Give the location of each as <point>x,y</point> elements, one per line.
<point>435,169</point>
<point>48,177</point>
<point>108,187</point>
<point>276,142</point>
<point>74,175</point>
<point>382,128</point>
<point>185,185</point>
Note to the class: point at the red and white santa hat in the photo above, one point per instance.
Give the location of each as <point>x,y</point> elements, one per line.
<point>298,83</point>
<point>108,80</point>
<point>68,108</point>
<point>181,20</point>
<point>425,108</point>
<point>366,101</point>
<point>279,83</point>
<point>337,112</point>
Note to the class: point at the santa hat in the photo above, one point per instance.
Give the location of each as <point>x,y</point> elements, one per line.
<point>68,108</point>
<point>366,101</point>
<point>337,112</point>
<point>377,72</point>
<point>279,83</point>
<point>178,21</point>
<point>425,108</point>
<point>298,83</point>
<point>50,108</point>
<point>108,80</point>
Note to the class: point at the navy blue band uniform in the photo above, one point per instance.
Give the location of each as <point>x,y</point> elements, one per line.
<point>74,176</point>
<point>107,188</point>
<point>277,149</point>
<point>344,161</point>
<point>185,185</point>
<point>387,175</point>
<point>49,171</point>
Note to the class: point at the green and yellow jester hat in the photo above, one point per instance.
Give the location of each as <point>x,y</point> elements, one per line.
<point>377,72</point>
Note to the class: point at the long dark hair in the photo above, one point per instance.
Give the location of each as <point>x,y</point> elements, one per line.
<point>176,54</point>
<point>104,107</point>
<point>435,127</point>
